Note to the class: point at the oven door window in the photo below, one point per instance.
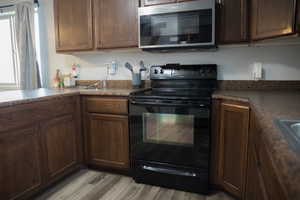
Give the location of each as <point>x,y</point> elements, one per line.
<point>176,28</point>
<point>172,129</point>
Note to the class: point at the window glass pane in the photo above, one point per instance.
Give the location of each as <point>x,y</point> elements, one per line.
<point>37,41</point>
<point>6,52</point>
<point>171,129</point>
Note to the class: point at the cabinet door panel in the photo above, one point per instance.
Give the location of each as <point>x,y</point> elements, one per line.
<point>233,147</point>
<point>232,21</point>
<point>108,140</point>
<point>272,18</point>
<point>255,188</point>
<point>116,23</point>
<point>60,143</point>
<point>20,164</point>
<point>73,24</point>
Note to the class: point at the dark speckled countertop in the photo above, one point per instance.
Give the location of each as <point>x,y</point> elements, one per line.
<point>267,106</point>
<point>14,97</point>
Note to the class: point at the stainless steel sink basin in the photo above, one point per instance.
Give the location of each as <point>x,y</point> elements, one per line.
<point>296,128</point>
<point>291,129</point>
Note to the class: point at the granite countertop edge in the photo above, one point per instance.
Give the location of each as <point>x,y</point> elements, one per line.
<point>17,97</point>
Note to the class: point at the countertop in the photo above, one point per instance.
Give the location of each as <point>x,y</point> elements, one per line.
<point>268,106</point>
<point>14,97</point>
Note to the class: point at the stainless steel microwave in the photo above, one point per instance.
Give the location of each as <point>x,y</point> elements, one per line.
<point>186,24</point>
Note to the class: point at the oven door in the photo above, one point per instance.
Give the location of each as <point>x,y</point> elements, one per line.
<point>173,132</point>
<point>180,25</point>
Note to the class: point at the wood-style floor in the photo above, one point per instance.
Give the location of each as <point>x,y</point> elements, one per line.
<point>93,185</point>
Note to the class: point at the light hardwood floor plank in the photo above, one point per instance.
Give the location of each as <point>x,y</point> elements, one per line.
<point>94,185</point>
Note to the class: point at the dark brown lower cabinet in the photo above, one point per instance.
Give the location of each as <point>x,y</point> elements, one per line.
<point>255,188</point>
<point>39,143</point>
<point>60,139</point>
<point>107,140</point>
<point>234,125</point>
<point>20,162</point>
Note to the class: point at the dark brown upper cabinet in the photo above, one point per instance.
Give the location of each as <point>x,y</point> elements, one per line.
<point>232,21</point>
<point>116,23</point>
<point>272,18</point>
<point>73,25</point>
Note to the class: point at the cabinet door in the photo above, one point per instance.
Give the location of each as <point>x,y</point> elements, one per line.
<point>60,145</point>
<point>73,25</point>
<point>157,2</point>
<point>272,18</point>
<point>107,140</point>
<point>116,23</point>
<point>20,164</point>
<point>255,188</point>
<point>232,21</point>
<point>233,147</point>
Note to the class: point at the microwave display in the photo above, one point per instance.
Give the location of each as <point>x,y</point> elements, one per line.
<point>191,27</point>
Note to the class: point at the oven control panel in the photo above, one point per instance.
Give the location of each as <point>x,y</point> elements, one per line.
<point>177,71</point>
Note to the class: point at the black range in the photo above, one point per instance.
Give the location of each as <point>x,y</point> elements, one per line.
<point>170,127</point>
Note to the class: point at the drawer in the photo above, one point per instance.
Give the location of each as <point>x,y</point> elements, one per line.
<point>106,105</point>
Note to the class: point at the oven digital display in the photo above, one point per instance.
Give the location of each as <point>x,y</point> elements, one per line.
<point>172,129</point>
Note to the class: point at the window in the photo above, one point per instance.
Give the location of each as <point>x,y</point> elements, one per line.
<point>9,68</point>
<point>8,61</point>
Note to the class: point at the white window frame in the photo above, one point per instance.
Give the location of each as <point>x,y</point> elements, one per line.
<point>8,14</point>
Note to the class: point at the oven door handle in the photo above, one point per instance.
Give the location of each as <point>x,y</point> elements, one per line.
<point>168,171</point>
<point>168,104</point>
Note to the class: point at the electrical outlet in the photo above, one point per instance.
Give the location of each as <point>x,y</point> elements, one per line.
<point>257,71</point>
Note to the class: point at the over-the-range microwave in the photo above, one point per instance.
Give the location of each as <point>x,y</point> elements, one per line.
<point>179,25</point>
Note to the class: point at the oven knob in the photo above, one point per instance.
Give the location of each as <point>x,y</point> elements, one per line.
<point>161,71</point>
<point>155,71</point>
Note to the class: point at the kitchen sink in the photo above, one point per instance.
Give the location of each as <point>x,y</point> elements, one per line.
<point>290,128</point>
<point>296,128</point>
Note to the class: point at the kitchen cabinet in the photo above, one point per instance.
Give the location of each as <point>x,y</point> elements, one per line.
<point>116,23</point>
<point>254,186</point>
<point>234,125</point>
<point>73,25</point>
<point>60,139</point>
<point>106,127</point>
<point>272,18</point>
<point>108,140</point>
<point>232,21</point>
<point>21,165</point>
<point>262,182</point>
<point>39,145</point>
